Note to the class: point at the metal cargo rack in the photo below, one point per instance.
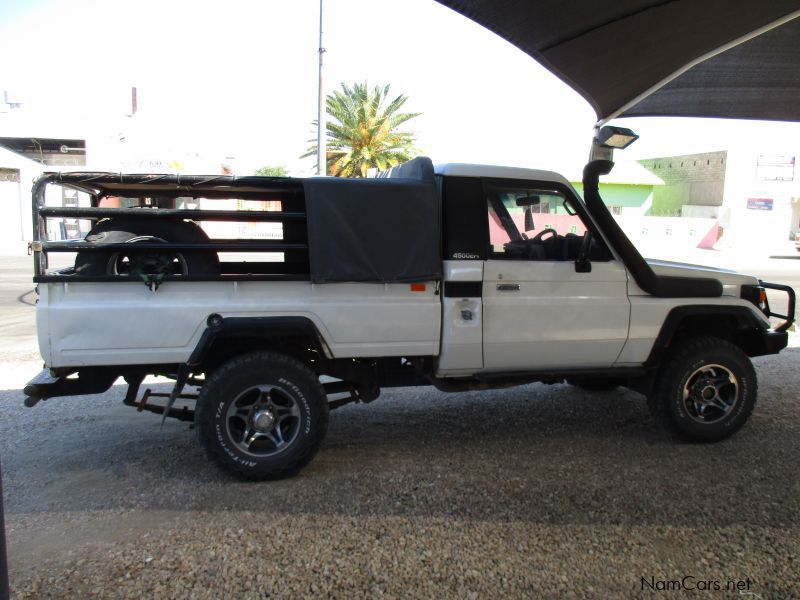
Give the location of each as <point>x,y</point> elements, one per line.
<point>160,189</point>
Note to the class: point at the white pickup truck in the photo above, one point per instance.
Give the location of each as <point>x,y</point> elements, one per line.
<point>462,277</point>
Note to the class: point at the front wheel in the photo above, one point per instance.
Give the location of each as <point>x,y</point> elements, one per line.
<point>262,415</point>
<point>705,391</point>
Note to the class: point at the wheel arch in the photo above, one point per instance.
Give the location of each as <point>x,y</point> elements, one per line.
<point>736,324</point>
<point>226,337</point>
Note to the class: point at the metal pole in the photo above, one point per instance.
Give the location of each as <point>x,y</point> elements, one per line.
<point>321,150</point>
<point>4,588</point>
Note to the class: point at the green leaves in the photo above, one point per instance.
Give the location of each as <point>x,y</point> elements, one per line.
<point>362,130</point>
<point>271,171</point>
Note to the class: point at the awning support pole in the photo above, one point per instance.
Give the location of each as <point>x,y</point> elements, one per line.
<point>4,587</point>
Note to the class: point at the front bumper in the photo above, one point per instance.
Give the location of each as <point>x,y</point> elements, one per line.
<point>789,316</point>
<point>771,342</point>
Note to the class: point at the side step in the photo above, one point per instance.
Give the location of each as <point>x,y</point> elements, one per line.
<point>184,413</point>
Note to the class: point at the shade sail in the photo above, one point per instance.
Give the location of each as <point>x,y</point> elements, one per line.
<point>707,58</point>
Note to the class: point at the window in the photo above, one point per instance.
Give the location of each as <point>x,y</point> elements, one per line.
<point>543,208</point>
<point>534,224</point>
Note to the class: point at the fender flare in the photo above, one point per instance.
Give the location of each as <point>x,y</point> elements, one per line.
<point>219,327</point>
<point>746,321</point>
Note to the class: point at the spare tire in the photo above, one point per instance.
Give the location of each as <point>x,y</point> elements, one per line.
<point>132,231</point>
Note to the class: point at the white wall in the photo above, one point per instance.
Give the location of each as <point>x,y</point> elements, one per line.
<point>760,232</point>
<point>667,237</point>
<point>11,225</point>
<point>16,222</point>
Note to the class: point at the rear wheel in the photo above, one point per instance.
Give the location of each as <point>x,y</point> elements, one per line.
<point>705,391</point>
<point>262,415</point>
<point>118,231</point>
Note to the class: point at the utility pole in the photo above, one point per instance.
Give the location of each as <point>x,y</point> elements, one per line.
<point>321,150</point>
<point>4,587</point>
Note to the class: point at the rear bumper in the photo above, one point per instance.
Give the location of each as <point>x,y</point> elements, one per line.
<point>92,380</point>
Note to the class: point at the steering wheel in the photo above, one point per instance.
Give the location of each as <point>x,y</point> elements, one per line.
<point>539,236</point>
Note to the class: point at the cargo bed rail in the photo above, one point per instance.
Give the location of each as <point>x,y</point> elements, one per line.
<point>157,198</point>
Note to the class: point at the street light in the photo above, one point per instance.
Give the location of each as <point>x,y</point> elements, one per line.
<point>321,154</point>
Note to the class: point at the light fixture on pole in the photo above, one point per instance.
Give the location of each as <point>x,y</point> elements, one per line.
<point>608,138</point>
<point>321,150</point>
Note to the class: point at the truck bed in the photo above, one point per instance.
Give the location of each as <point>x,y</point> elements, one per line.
<point>130,324</point>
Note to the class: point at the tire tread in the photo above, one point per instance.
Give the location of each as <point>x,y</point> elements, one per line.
<point>658,400</point>
<point>206,406</point>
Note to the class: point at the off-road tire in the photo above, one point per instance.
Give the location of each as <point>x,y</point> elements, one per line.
<point>666,400</point>
<point>228,382</point>
<point>121,231</point>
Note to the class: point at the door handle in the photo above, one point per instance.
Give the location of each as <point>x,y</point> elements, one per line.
<point>508,287</point>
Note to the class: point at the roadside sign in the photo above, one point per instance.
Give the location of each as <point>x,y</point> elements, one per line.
<point>759,203</point>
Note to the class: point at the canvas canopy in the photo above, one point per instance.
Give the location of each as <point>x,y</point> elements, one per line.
<point>704,58</point>
<point>384,229</point>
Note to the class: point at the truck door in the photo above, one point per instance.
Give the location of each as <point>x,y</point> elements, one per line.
<point>542,307</point>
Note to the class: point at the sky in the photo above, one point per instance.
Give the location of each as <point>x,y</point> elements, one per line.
<point>239,79</point>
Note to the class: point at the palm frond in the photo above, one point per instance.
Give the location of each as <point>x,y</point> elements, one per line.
<point>362,130</point>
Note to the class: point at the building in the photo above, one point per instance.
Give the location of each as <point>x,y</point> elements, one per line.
<point>693,184</point>
<point>754,195</point>
<point>121,140</point>
<point>629,189</point>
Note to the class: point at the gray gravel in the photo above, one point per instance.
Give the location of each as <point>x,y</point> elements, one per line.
<point>530,491</point>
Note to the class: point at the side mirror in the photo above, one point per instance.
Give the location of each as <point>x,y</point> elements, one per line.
<point>528,201</point>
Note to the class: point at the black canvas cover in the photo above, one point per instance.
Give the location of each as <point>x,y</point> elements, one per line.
<point>385,229</point>
<point>709,58</point>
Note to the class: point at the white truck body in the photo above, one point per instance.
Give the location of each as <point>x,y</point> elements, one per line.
<point>552,322</point>
<point>138,326</point>
<point>557,319</point>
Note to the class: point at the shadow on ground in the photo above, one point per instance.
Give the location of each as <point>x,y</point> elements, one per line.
<point>544,454</point>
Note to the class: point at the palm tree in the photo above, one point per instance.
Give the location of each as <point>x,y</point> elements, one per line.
<point>362,131</point>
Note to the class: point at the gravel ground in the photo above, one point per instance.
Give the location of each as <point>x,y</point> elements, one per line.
<point>531,491</point>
